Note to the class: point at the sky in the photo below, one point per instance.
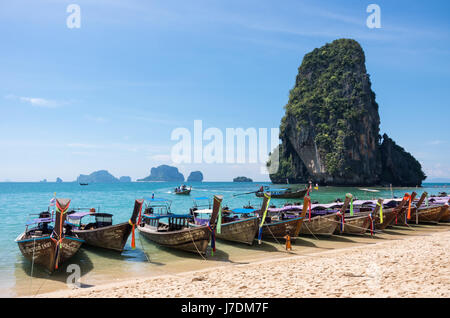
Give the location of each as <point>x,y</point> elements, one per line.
<point>108,95</point>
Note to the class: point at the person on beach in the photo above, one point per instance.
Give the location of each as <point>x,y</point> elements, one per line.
<point>288,242</point>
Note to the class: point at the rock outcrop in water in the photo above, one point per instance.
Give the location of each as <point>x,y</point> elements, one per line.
<point>59,180</point>
<point>101,176</point>
<point>164,173</point>
<point>330,132</point>
<point>242,179</point>
<point>195,176</point>
<point>125,179</point>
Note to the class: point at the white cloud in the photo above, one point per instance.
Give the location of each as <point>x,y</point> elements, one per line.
<point>37,101</point>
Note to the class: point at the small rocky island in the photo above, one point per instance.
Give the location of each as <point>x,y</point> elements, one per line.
<point>242,179</point>
<point>195,176</point>
<point>59,180</point>
<point>101,176</point>
<point>125,179</point>
<point>164,173</point>
<point>330,132</point>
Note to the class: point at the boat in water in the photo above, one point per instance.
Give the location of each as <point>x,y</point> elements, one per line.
<point>46,245</point>
<point>238,225</point>
<point>183,190</point>
<point>282,193</point>
<point>160,225</point>
<point>278,225</point>
<point>101,232</point>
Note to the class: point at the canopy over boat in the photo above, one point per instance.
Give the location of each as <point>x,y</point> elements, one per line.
<point>162,216</point>
<point>39,220</point>
<point>243,211</point>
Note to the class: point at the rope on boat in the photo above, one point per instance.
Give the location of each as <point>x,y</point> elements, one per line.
<point>304,224</point>
<point>143,250</point>
<point>358,227</point>
<point>193,242</point>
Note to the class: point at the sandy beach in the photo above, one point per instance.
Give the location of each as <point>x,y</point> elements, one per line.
<point>414,266</point>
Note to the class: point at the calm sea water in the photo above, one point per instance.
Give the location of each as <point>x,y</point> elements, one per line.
<point>19,200</point>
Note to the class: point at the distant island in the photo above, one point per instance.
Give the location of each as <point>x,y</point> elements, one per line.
<point>164,173</point>
<point>330,132</point>
<point>59,180</point>
<point>242,179</point>
<point>101,176</point>
<point>125,179</point>
<point>195,176</point>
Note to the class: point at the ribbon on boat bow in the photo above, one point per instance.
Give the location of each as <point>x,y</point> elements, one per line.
<point>263,219</point>
<point>213,238</point>
<point>309,205</point>
<point>133,240</point>
<point>409,198</point>
<point>381,212</point>
<point>371,223</point>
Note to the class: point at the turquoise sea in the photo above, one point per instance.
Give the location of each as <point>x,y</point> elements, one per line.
<point>19,200</point>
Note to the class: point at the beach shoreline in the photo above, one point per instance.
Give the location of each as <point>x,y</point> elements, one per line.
<point>413,266</point>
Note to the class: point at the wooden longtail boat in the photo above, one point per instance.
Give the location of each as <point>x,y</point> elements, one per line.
<point>299,194</point>
<point>352,225</point>
<point>430,214</point>
<point>279,226</point>
<point>323,225</point>
<point>238,225</point>
<point>102,233</point>
<point>177,232</point>
<point>419,214</point>
<point>183,191</point>
<point>49,246</point>
<point>389,215</point>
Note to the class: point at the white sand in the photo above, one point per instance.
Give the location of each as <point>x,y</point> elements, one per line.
<point>417,266</point>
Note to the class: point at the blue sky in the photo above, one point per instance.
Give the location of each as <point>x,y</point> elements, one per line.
<point>108,95</point>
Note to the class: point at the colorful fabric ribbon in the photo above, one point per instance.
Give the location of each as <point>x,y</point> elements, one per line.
<point>263,219</point>
<point>381,212</point>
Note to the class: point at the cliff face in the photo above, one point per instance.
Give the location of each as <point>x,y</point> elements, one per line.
<point>330,132</point>
<point>400,168</point>
<point>164,173</point>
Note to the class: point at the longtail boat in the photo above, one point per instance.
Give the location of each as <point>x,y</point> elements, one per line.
<point>418,214</point>
<point>356,224</point>
<point>183,190</point>
<point>46,245</point>
<point>102,233</point>
<point>283,193</point>
<point>278,226</point>
<point>320,219</point>
<point>390,215</point>
<point>441,201</point>
<point>238,225</point>
<point>174,231</point>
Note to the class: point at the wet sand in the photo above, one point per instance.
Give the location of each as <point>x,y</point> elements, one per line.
<point>403,262</point>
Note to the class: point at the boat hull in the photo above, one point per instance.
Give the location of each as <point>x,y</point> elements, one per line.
<point>186,192</point>
<point>242,231</point>
<point>356,225</point>
<point>293,195</point>
<point>42,251</point>
<point>323,225</point>
<point>279,229</point>
<point>446,216</point>
<point>430,214</point>
<point>194,240</point>
<point>389,216</point>
<point>113,237</point>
